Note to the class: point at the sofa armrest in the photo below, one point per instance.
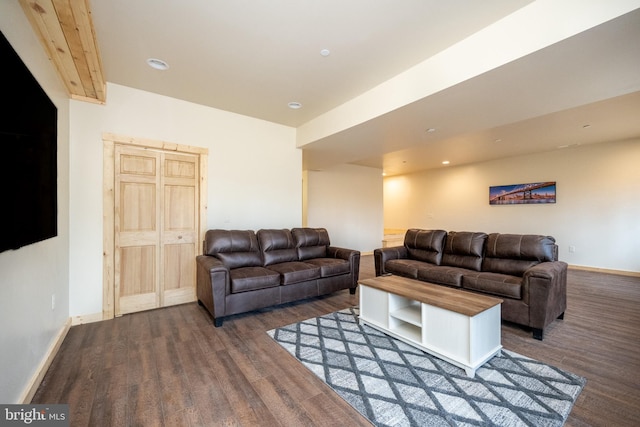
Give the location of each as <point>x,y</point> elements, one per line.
<point>212,286</point>
<point>350,255</point>
<point>547,286</point>
<point>342,253</point>
<point>382,255</point>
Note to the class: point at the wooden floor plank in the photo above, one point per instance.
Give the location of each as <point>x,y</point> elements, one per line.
<point>141,363</point>
<point>328,409</point>
<point>213,407</point>
<point>145,404</point>
<point>110,406</point>
<point>248,408</point>
<point>282,402</point>
<point>172,367</point>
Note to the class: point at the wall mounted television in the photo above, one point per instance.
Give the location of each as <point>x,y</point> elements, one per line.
<point>28,162</point>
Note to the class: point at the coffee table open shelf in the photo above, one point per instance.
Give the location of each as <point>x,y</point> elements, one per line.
<point>457,326</point>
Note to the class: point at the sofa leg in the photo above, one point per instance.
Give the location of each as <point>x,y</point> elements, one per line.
<point>217,322</point>
<point>537,333</point>
<point>561,317</point>
<point>352,291</point>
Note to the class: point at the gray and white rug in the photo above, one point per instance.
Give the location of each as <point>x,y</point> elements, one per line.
<point>394,384</point>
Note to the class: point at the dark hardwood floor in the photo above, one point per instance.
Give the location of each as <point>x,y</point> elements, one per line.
<point>172,367</point>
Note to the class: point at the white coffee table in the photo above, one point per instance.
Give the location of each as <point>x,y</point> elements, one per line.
<point>460,327</point>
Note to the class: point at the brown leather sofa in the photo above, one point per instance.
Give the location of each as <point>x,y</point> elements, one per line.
<point>243,270</point>
<point>522,270</point>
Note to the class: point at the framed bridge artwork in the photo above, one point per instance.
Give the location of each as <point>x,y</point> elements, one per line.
<point>515,194</point>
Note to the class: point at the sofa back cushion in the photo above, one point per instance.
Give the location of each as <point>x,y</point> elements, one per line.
<point>425,245</point>
<point>464,249</point>
<point>277,246</point>
<point>513,254</point>
<point>235,248</point>
<point>311,242</point>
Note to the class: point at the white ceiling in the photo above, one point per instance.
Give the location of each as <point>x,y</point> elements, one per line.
<point>253,57</point>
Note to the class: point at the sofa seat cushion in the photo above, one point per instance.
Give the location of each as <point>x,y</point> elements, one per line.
<point>295,272</point>
<point>442,275</point>
<point>404,267</point>
<point>252,278</point>
<point>331,266</point>
<point>502,285</point>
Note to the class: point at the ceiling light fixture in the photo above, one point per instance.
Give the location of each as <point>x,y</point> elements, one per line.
<point>446,162</point>
<point>158,64</point>
<point>431,130</point>
<point>325,52</point>
<point>294,105</point>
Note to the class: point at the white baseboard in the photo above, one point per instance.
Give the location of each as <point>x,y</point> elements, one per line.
<point>38,376</point>
<point>605,270</point>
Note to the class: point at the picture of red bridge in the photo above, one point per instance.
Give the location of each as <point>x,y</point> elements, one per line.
<point>534,193</point>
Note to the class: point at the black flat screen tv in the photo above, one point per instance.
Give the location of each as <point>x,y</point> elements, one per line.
<point>28,162</point>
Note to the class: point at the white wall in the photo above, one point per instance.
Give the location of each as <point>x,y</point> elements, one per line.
<point>597,208</point>
<point>347,201</point>
<point>31,275</point>
<point>254,172</point>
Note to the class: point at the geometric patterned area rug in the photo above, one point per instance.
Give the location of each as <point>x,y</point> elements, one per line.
<point>394,384</point>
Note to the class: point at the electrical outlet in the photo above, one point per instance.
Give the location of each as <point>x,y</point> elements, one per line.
<point>572,249</point>
<point>53,301</point>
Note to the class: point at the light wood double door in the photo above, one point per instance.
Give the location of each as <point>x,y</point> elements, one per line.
<point>156,223</point>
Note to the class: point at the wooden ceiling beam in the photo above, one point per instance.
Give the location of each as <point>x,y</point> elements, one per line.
<point>66,31</point>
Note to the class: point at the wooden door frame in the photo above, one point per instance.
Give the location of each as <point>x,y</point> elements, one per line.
<point>109,141</point>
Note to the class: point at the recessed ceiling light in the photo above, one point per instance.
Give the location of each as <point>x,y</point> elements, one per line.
<point>497,140</point>
<point>446,162</point>
<point>325,52</point>
<point>294,105</point>
<point>431,130</point>
<point>158,64</point>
